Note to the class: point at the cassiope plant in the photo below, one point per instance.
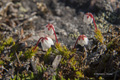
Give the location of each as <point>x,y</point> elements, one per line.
<point>88,18</point>
<point>50,30</point>
<point>46,42</point>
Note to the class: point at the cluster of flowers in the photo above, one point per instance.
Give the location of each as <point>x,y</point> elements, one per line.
<point>82,40</point>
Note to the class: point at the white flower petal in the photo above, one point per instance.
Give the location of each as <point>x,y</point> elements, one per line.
<point>46,42</point>
<point>50,41</point>
<point>85,40</point>
<point>81,42</point>
<point>44,45</point>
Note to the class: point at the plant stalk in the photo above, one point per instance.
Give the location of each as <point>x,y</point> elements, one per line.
<point>76,42</point>
<point>37,43</point>
<point>55,34</point>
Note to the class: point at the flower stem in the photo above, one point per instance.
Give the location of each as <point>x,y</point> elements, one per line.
<point>76,42</point>
<point>55,34</point>
<point>37,43</point>
<point>90,14</point>
<point>94,23</point>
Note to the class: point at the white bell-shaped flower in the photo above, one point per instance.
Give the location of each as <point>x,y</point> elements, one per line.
<point>88,18</point>
<point>49,29</point>
<point>83,40</point>
<point>46,43</point>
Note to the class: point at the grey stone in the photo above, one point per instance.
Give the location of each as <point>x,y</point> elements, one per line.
<point>56,61</point>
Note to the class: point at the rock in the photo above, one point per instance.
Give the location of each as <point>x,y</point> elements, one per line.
<point>22,45</point>
<point>33,66</point>
<point>92,5</point>
<point>56,61</point>
<point>59,12</point>
<point>62,32</point>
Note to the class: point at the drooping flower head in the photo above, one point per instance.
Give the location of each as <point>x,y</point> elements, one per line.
<point>88,18</point>
<point>50,30</point>
<point>82,40</point>
<point>46,43</point>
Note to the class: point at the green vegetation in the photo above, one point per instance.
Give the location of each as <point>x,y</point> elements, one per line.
<point>69,63</point>
<point>4,43</point>
<point>1,62</point>
<point>29,53</point>
<point>98,35</point>
<point>71,66</point>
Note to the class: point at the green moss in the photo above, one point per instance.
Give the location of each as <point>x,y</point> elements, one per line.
<point>1,62</point>
<point>47,54</point>
<point>1,48</point>
<point>80,74</point>
<point>24,76</point>
<point>62,50</point>
<point>5,43</point>
<point>8,42</point>
<point>98,35</point>
<point>29,53</point>
<point>100,78</point>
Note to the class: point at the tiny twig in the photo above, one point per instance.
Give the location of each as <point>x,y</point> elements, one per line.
<point>17,58</point>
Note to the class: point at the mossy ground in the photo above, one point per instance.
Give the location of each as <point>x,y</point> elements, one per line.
<point>72,65</point>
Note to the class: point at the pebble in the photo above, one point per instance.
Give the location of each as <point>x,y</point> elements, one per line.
<point>33,65</point>
<point>56,61</point>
